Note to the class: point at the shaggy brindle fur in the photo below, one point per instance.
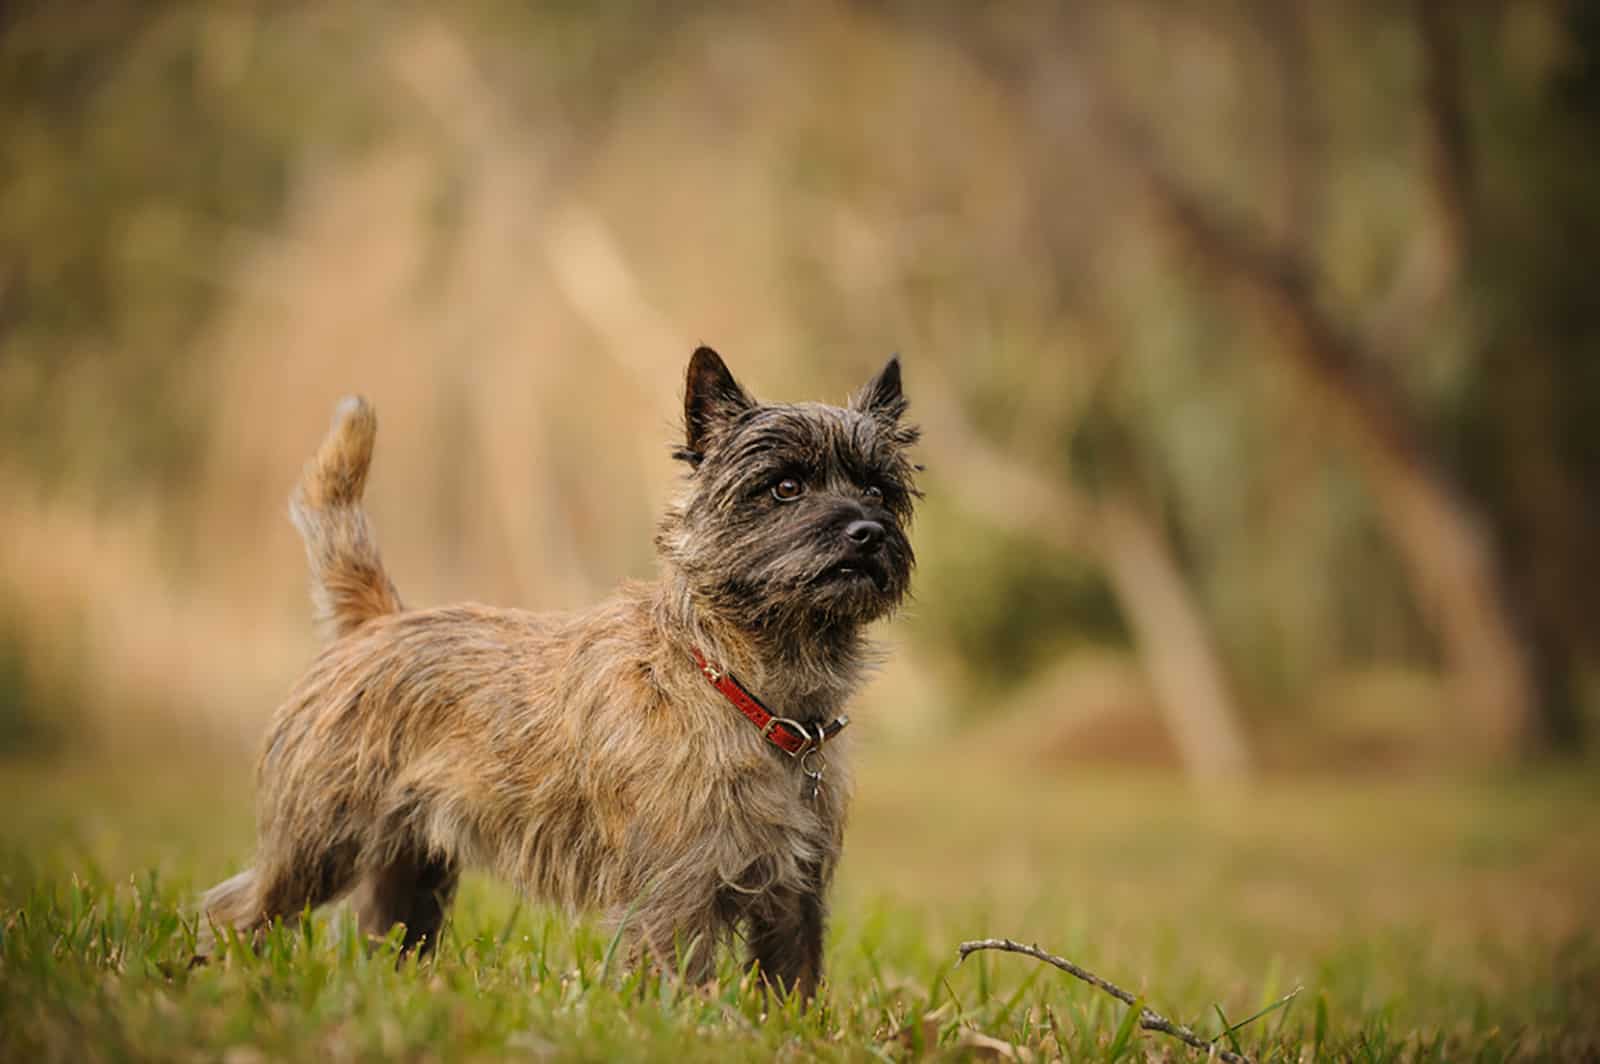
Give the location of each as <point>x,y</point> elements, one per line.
<point>585,757</point>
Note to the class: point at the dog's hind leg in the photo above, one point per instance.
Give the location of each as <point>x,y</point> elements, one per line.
<point>281,886</point>
<point>414,889</point>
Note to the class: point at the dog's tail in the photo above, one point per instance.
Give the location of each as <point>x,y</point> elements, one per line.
<point>348,584</point>
<point>231,903</point>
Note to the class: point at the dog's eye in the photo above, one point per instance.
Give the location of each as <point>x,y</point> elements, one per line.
<point>873,493</point>
<point>788,490</point>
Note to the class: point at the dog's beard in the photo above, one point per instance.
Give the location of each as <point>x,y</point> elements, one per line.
<point>797,591</point>
<point>862,588</point>
<point>853,595</point>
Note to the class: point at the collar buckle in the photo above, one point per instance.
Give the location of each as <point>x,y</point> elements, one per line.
<point>812,741</point>
<point>802,742</point>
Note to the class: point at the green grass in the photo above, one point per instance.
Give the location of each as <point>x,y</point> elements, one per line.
<point>1452,920</point>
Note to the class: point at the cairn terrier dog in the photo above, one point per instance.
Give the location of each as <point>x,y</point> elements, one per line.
<point>670,758</point>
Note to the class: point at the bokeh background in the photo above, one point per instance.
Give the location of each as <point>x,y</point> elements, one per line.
<point>1256,346</point>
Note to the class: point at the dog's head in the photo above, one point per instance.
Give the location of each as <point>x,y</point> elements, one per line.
<point>794,512</point>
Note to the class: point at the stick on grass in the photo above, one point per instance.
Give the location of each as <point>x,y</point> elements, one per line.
<point>1149,1019</point>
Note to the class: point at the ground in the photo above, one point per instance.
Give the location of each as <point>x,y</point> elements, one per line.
<point>1444,919</point>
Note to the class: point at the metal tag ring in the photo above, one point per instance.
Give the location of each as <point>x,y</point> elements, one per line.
<point>813,772</point>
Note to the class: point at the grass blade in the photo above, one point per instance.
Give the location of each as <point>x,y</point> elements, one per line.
<point>1125,1029</point>
<point>1267,1010</point>
<point>1228,1029</point>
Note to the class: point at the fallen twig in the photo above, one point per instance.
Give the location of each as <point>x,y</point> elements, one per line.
<point>1149,1019</point>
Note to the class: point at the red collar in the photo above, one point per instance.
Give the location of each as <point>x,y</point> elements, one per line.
<point>789,735</point>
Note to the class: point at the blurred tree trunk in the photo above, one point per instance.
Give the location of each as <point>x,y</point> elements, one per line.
<point>1467,590</point>
<point>1299,187</point>
<point>1176,650</point>
<point>1175,642</point>
<point>1528,432</point>
<point>1431,271</point>
<point>1543,527</point>
<point>1473,591</point>
<point>1440,537</point>
<point>1448,160</point>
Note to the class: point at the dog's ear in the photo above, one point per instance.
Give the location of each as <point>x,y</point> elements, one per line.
<point>711,398</point>
<point>881,396</point>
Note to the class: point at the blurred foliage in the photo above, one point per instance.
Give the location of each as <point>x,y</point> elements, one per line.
<point>1007,605</point>
<point>510,223</point>
<point>141,145</point>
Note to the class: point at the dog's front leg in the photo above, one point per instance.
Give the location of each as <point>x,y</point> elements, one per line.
<point>678,946</point>
<point>785,937</point>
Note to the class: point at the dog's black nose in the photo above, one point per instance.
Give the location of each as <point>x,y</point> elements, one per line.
<point>864,535</point>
